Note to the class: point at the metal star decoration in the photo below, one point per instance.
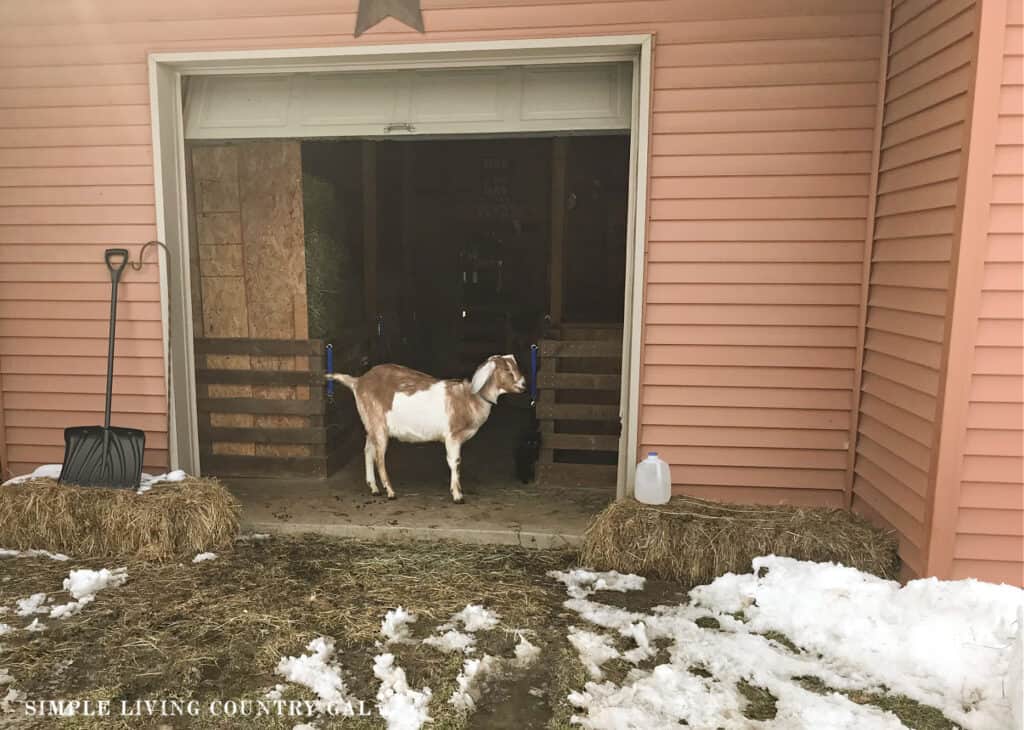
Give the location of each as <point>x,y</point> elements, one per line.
<point>372,12</point>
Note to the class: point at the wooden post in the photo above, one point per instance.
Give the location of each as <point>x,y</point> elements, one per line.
<point>370,238</point>
<point>559,148</point>
<point>408,293</point>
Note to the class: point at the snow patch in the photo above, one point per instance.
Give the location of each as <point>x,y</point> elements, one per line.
<point>148,481</point>
<point>202,557</point>
<point>469,683</point>
<point>70,609</point>
<point>35,626</point>
<point>943,643</point>
<point>401,707</point>
<point>7,553</point>
<point>594,649</point>
<point>474,618</point>
<point>452,640</point>
<point>397,624</point>
<point>581,583</point>
<point>946,644</point>
<point>32,604</point>
<point>85,582</point>
<point>5,629</point>
<point>46,471</point>
<point>317,672</point>
<point>526,653</point>
<point>83,585</point>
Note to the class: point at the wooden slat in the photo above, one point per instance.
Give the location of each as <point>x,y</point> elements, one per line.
<point>265,435</point>
<point>576,412</point>
<point>263,406</point>
<point>258,377</point>
<point>578,381</point>
<point>246,346</point>
<point>581,442</point>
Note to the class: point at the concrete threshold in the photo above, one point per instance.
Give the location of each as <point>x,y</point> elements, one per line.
<point>389,533</point>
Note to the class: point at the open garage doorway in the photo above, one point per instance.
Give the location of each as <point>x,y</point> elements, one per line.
<point>430,253</point>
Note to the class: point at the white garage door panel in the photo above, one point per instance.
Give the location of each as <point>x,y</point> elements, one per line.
<point>321,99</point>
<point>259,103</point>
<point>594,93</point>
<point>402,103</point>
<point>468,96</point>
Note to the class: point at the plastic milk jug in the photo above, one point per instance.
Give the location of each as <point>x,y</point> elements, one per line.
<point>653,480</point>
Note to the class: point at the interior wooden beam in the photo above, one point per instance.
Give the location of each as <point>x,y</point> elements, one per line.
<point>370,235</point>
<point>559,150</point>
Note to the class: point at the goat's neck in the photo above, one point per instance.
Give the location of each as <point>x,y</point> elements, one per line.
<point>487,397</point>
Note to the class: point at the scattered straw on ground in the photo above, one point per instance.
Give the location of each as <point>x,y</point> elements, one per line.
<point>694,540</point>
<point>217,629</point>
<point>171,519</point>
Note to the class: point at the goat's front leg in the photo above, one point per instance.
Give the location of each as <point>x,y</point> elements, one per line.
<point>454,449</point>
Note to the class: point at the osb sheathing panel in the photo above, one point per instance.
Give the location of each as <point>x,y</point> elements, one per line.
<point>215,171</point>
<point>217,229</point>
<point>249,231</point>
<point>270,190</point>
<point>224,306</point>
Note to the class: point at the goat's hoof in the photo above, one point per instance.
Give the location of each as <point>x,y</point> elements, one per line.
<point>391,496</point>
<point>458,500</point>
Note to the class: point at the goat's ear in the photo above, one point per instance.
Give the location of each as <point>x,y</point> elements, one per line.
<point>482,375</point>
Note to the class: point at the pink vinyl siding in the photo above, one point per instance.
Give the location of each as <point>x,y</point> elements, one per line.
<point>761,157</point>
<point>926,105</point>
<point>989,542</point>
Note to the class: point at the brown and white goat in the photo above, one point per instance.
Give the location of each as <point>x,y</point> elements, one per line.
<point>396,402</point>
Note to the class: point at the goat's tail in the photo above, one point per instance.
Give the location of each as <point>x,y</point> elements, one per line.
<point>347,380</point>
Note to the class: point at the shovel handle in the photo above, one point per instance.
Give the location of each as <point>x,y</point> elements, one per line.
<point>116,258</point>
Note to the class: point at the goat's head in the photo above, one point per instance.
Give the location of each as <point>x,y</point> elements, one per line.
<point>501,372</point>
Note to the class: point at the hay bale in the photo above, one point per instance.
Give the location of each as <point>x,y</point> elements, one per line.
<point>695,541</point>
<point>171,520</point>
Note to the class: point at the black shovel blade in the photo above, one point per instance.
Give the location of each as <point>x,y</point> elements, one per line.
<point>95,456</point>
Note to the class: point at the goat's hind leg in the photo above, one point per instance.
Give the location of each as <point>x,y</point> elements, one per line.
<point>380,448</point>
<point>371,456</point>
<point>454,450</point>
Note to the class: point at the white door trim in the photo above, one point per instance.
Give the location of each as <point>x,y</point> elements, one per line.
<point>165,75</point>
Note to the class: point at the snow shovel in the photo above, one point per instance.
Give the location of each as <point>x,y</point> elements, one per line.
<point>105,456</point>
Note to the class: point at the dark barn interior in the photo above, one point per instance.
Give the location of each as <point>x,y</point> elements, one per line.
<point>449,242</point>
